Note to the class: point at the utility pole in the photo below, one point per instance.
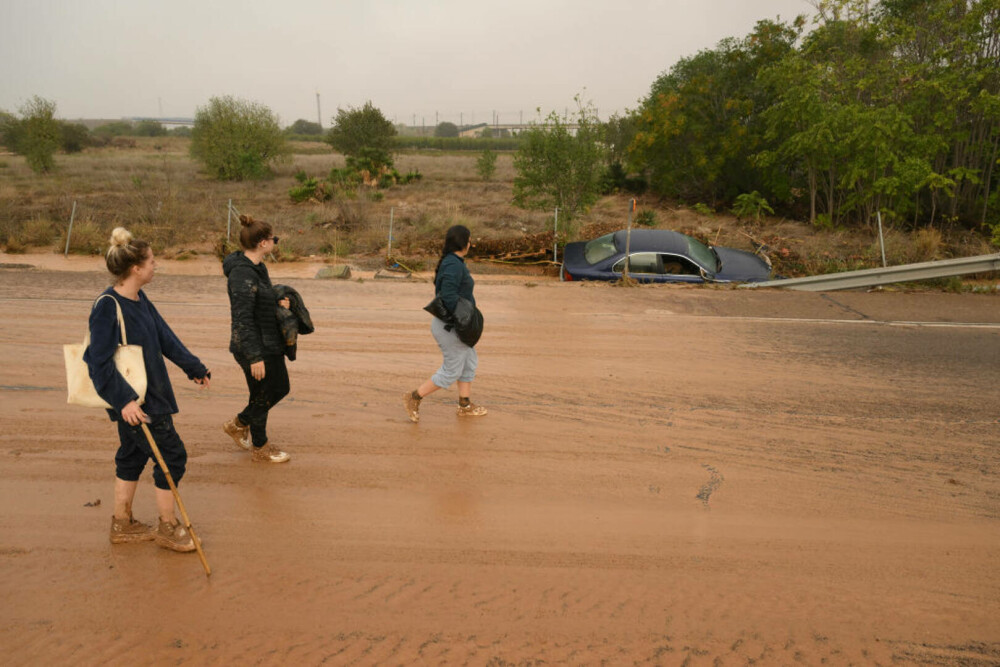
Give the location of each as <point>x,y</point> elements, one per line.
<point>319,115</point>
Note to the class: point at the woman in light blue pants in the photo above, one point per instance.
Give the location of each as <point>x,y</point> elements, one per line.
<point>452,280</point>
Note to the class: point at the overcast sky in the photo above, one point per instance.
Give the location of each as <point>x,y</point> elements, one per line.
<point>436,59</point>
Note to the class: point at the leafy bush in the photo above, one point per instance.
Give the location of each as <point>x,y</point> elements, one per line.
<point>646,218</point>
<point>86,239</point>
<point>751,205</point>
<point>150,128</point>
<point>236,139</point>
<point>486,165</point>
<point>703,209</point>
<point>37,232</point>
<point>74,137</point>
<point>357,129</point>
<point>36,134</point>
<point>118,128</point>
<point>304,127</point>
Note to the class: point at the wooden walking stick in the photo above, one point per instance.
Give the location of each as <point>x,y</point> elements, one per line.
<point>177,497</point>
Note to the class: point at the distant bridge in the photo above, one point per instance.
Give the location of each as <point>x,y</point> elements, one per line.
<point>163,121</point>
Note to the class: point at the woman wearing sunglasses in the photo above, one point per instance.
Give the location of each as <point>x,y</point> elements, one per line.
<point>256,340</point>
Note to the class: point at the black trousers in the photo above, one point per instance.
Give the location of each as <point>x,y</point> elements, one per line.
<point>134,451</point>
<point>264,395</point>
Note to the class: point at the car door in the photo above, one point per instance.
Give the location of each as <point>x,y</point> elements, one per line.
<point>680,269</point>
<point>642,266</point>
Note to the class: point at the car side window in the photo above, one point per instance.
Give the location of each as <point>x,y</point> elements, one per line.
<point>678,265</point>
<point>640,262</point>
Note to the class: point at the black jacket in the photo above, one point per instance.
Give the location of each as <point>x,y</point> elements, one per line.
<point>253,306</point>
<point>293,320</point>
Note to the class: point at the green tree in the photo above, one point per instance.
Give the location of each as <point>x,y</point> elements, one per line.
<point>308,128</point>
<point>559,168</point>
<point>118,128</point>
<point>74,137</point>
<point>446,129</point>
<point>38,134</point>
<point>486,165</point>
<point>236,139</point>
<point>150,128</point>
<point>354,129</point>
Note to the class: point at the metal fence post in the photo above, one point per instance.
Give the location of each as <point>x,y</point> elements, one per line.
<point>628,239</point>
<point>229,219</point>
<point>555,238</point>
<point>881,240</point>
<point>388,253</point>
<point>69,232</point>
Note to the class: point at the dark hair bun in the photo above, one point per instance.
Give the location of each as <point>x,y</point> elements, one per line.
<point>246,220</point>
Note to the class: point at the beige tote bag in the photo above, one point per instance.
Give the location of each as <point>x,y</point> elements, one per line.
<point>128,361</point>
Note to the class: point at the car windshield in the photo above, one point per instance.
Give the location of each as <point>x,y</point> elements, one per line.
<point>703,254</point>
<point>599,249</point>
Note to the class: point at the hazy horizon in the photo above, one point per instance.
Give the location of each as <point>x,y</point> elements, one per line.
<point>420,64</point>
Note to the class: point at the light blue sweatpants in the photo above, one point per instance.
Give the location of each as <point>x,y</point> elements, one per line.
<point>460,360</point>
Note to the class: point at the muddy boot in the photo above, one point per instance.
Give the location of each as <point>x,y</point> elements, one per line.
<point>470,409</point>
<point>268,454</point>
<point>174,536</point>
<point>239,432</point>
<point>412,405</point>
<point>124,531</point>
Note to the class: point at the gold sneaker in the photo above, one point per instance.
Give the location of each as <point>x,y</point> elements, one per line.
<point>471,410</point>
<point>412,406</point>
<point>268,454</point>
<point>239,434</point>
<point>124,531</point>
<point>174,536</point>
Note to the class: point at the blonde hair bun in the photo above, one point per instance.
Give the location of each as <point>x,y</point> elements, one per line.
<point>120,237</point>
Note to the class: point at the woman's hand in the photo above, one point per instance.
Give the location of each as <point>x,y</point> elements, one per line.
<point>257,370</point>
<point>285,303</point>
<point>133,414</point>
<point>204,381</point>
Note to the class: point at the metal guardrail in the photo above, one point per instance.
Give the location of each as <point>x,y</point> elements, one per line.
<point>894,274</point>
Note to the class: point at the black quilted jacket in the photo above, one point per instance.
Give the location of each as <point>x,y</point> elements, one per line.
<point>253,306</point>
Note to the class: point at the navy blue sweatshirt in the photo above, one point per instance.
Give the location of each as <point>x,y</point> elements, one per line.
<point>143,326</point>
<point>453,280</point>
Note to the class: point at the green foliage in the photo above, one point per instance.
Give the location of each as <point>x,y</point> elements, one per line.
<point>890,107</point>
<point>149,128</point>
<point>646,218</point>
<point>305,127</point>
<point>118,128</point>
<point>355,129</point>
<point>236,139</point>
<point>751,205</point>
<point>703,209</point>
<point>182,131</point>
<point>310,188</point>
<point>38,135</point>
<point>486,164</point>
<point>74,137</point>
<point>446,129</point>
<point>557,168</point>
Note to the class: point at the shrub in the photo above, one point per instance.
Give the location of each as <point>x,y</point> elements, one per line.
<point>37,134</point>
<point>486,165</point>
<point>646,218</point>
<point>74,137</point>
<point>37,232</point>
<point>446,130</point>
<point>236,139</point>
<point>357,129</point>
<point>150,128</point>
<point>86,239</point>
<point>751,205</point>
<point>305,128</point>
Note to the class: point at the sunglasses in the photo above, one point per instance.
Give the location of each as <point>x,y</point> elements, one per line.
<point>274,238</point>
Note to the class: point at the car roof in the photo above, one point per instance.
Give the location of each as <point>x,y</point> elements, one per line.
<point>653,240</point>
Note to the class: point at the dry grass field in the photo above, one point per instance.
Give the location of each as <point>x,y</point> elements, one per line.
<point>152,186</point>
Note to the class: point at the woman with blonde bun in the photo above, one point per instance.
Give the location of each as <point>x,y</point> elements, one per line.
<point>132,264</point>
<point>256,341</point>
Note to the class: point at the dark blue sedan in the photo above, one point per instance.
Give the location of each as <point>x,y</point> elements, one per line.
<point>661,256</point>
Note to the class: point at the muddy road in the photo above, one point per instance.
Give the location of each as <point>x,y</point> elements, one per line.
<point>667,475</point>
